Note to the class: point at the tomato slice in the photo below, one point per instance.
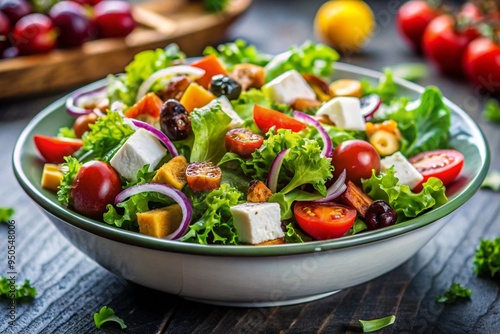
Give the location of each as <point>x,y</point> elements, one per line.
<point>54,149</point>
<point>203,176</point>
<point>266,118</point>
<point>243,142</point>
<point>443,164</point>
<point>147,108</point>
<point>324,220</point>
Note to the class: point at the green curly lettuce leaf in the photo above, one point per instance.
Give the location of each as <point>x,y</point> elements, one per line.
<point>310,58</point>
<point>212,218</point>
<point>487,258</point>
<point>455,292</point>
<point>106,314</point>
<point>238,52</point>
<point>70,168</point>
<point>386,88</point>
<point>406,203</point>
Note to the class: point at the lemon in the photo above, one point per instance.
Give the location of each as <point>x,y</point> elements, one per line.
<point>344,24</point>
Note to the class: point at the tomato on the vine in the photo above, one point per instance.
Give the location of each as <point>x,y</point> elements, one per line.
<point>324,220</point>
<point>358,158</point>
<point>482,64</point>
<point>443,164</point>
<point>412,19</point>
<point>444,45</point>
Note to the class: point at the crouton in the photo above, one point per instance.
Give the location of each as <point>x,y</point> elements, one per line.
<point>172,173</point>
<point>258,192</point>
<point>160,222</point>
<point>278,241</point>
<point>355,197</point>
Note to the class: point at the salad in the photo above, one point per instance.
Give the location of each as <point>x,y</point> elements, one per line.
<point>240,147</point>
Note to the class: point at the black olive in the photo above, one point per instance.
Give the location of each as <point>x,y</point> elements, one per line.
<point>174,120</point>
<point>224,85</point>
<point>380,214</point>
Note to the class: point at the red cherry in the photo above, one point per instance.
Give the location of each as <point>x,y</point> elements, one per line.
<point>114,18</point>
<point>34,33</point>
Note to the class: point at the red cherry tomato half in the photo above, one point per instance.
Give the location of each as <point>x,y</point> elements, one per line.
<point>266,118</point>
<point>412,19</point>
<point>445,46</point>
<point>358,158</point>
<point>482,64</point>
<point>443,164</point>
<point>324,220</point>
<point>95,185</point>
<point>243,142</point>
<point>54,149</point>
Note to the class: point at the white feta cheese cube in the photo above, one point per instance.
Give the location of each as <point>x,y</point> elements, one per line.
<point>227,107</point>
<point>405,172</point>
<point>257,222</point>
<point>288,87</point>
<point>141,148</point>
<point>345,112</point>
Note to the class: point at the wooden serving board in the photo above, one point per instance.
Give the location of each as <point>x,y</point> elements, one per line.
<point>160,22</point>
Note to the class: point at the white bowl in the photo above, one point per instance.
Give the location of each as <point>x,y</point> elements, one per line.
<point>246,275</point>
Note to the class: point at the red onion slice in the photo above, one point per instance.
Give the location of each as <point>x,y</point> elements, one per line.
<point>327,150</point>
<point>335,190</point>
<point>74,102</point>
<point>176,195</point>
<point>274,171</point>
<point>158,134</point>
<point>369,105</point>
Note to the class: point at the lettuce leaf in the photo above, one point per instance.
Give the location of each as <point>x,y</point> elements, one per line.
<point>293,234</point>
<point>386,88</point>
<point>424,123</point>
<point>124,87</point>
<point>406,203</point>
<point>209,126</point>
<point>70,168</point>
<point>238,52</point>
<point>311,58</point>
<point>213,221</point>
<point>106,135</point>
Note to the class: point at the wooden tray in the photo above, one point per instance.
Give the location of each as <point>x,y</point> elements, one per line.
<point>160,22</point>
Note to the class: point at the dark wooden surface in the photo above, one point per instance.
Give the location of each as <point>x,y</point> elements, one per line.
<point>71,287</point>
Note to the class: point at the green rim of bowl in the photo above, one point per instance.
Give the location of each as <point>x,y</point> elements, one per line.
<point>136,239</point>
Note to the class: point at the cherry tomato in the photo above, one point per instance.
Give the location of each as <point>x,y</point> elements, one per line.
<point>324,220</point>
<point>243,142</point>
<point>443,164</point>
<point>412,19</point>
<point>445,46</point>
<point>266,118</point>
<point>482,64</point>
<point>82,123</point>
<point>203,176</point>
<point>95,185</point>
<point>472,15</point>
<point>34,33</point>
<point>358,158</point>
<point>54,149</point>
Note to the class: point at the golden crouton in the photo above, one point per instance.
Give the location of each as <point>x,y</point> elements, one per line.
<point>160,222</point>
<point>258,192</point>
<point>173,173</point>
<point>278,241</point>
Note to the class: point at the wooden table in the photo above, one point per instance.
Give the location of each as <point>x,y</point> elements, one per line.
<point>71,287</point>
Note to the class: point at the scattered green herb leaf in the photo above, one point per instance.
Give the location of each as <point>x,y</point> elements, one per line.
<point>487,258</point>
<point>456,291</point>
<point>6,214</point>
<point>492,111</point>
<point>492,181</point>
<point>106,314</point>
<point>376,324</point>
<point>22,291</point>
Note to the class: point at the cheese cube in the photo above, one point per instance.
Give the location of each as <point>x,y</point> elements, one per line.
<point>227,107</point>
<point>141,148</point>
<point>257,222</point>
<point>288,87</point>
<point>345,112</point>
<point>405,172</point>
